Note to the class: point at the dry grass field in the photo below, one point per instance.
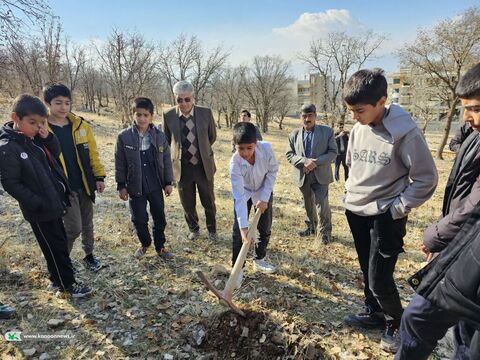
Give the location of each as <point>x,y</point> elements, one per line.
<point>150,309</point>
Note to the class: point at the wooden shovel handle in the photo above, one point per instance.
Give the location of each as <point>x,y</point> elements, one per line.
<point>252,229</point>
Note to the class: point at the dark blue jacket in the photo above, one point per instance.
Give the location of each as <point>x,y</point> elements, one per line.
<point>128,165</point>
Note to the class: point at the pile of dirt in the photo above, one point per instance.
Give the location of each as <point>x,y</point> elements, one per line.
<point>256,336</point>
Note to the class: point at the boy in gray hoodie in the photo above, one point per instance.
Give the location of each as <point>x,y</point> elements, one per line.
<point>391,172</point>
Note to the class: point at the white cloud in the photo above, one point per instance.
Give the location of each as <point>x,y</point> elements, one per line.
<point>314,25</point>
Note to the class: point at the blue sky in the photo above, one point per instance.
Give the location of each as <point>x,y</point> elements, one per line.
<point>261,27</point>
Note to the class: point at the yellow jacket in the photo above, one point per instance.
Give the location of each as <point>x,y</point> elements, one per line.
<point>87,154</point>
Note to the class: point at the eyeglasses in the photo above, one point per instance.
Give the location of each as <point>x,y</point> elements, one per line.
<point>181,100</point>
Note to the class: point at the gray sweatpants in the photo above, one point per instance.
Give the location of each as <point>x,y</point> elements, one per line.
<point>79,220</point>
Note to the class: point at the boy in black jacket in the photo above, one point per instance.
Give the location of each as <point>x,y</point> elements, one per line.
<point>143,168</point>
<point>455,299</point>
<point>30,174</point>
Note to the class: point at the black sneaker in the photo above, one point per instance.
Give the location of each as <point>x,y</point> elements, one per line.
<point>92,263</point>
<point>7,312</point>
<point>306,232</point>
<point>367,320</point>
<point>326,239</point>
<point>79,290</point>
<point>390,341</point>
<point>164,254</point>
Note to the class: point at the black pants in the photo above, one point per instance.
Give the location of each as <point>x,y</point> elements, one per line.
<point>193,178</point>
<point>138,211</point>
<point>341,159</point>
<point>52,239</point>
<point>378,241</point>
<point>263,232</point>
<point>423,324</point>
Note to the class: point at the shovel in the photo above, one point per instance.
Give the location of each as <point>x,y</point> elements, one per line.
<point>225,296</point>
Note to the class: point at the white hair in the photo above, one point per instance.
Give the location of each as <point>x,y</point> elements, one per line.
<point>183,86</point>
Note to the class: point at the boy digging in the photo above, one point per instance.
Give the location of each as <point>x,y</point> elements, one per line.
<point>80,161</point>
<point>143,168</point>
<point>30,174</point>
<point>253,171</point>
<point>391,172</point>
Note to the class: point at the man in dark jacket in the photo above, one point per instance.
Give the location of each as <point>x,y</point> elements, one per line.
<point>451,295</point>
<point>341,139</point>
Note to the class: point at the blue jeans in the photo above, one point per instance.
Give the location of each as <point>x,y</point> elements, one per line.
<point>424,324</point>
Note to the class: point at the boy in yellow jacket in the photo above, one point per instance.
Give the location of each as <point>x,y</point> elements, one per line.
<point>80,161</point>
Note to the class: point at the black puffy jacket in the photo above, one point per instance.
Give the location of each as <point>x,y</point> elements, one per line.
<point>453,282</point>
<point>30,174</point>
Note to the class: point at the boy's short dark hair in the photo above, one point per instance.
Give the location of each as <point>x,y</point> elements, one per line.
<point>143,103</point>
<point>469,84</point>
<point>51,91</point>
<point>246,112</point>
<point>25,105</point>
<point>244,133</point>
<point>365,87</point>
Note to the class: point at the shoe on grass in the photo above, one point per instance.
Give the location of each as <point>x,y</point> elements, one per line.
<point>164,254</point>
<point>7,312</point>
<point>92,263</point>
<point>262,265</point>
<point>142,250</point>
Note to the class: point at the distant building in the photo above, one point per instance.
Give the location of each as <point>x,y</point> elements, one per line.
<point>399,88</point>
<point>311,90</point>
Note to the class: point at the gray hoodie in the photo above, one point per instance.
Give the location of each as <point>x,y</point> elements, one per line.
<point>390,166</point>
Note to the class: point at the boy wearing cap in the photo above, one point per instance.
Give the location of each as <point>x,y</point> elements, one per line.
<point>311,150</point>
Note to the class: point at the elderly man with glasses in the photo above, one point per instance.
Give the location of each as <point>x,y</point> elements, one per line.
<point>190,130</point>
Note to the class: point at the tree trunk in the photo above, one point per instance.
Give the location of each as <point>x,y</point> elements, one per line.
<point>424,127</point>
<point>219,117</point>
<point>280,122</point>
<point>448,124</point>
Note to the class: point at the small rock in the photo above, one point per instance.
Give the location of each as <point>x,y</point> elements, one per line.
<point>29,352</point>
<point>29,316</point>
<point>44,356</point>
<point>244,332</point>
<point>55,322</point>
<point>278,338</point>
<point>311,352</point>
<point>217,283</point>
<point>263,338</point>
<point>219,270</point>
<point>168,357</point>
<point>233,322</point>
<point>198,336</point>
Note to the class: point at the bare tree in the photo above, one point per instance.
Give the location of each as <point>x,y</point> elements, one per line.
<point>185,58</point>
<point>50,39</point>
<point>26,58</point>
<point>442,53</point>
<point>89,77</point>
<point>284,104</point>
<point>227,94</point>
<point>128,61</point>
<point>17,14</point>
<point>75,59</point>
<point>264,83</point>
<point>335,57</point>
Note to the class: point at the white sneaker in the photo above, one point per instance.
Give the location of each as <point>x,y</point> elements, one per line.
<point>238,284</point>
<point>262,265</point>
